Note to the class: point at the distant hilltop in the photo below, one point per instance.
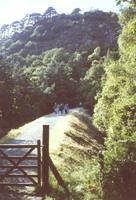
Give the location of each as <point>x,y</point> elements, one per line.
<point>7,30</point>
<point>36,33</point>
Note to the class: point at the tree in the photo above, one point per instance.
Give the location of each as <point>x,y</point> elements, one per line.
<point>91,84</point>
<point>132,2</point>
<point>50,12</point>
<point>115,116</point>
<point>76,11</point>
<point>16,46</point>
<point>5,88</point>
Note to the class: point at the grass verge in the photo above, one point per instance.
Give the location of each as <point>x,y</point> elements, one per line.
<point>12,134</point>
<point>77,160</point>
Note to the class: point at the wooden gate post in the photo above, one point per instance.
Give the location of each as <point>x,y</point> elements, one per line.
<point>45,160</point>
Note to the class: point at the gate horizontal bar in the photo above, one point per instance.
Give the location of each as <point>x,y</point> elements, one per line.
<point>18,175</point>
<point>18,146</point>
<point>18,184</point>
<point>20,166</point>
<point>19,157</point>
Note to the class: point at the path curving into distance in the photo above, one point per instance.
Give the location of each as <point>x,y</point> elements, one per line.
<point>32,131</point>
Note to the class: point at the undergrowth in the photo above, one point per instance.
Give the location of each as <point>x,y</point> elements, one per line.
<point>77,160</point>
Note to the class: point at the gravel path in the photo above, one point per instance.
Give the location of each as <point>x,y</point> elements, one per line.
<point>31,132</point>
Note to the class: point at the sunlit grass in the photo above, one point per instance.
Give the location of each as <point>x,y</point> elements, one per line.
<point>57,136</point>
<point>12,134</point>
<point>76,158</point>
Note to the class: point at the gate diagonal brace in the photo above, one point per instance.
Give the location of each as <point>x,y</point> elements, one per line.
<point>57,176</point>
<point>16,165</point>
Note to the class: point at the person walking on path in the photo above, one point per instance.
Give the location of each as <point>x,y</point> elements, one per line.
<point>61,108</point>
<point>66,108</point>
<point>56,108</point>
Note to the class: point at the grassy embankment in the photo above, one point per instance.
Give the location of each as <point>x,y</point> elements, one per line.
<point>77,158</point>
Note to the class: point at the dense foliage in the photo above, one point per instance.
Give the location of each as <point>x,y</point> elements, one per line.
<point>30,86</point>
<point>37,33</point>
<point>115,114</point>
<point>90,84</point>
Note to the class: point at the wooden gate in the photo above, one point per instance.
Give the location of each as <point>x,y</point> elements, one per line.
<point>16,168</point>
<point>21,166</point>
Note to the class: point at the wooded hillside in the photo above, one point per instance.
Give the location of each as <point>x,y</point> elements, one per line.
<point>45,58</point>
<point>37,33</point>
